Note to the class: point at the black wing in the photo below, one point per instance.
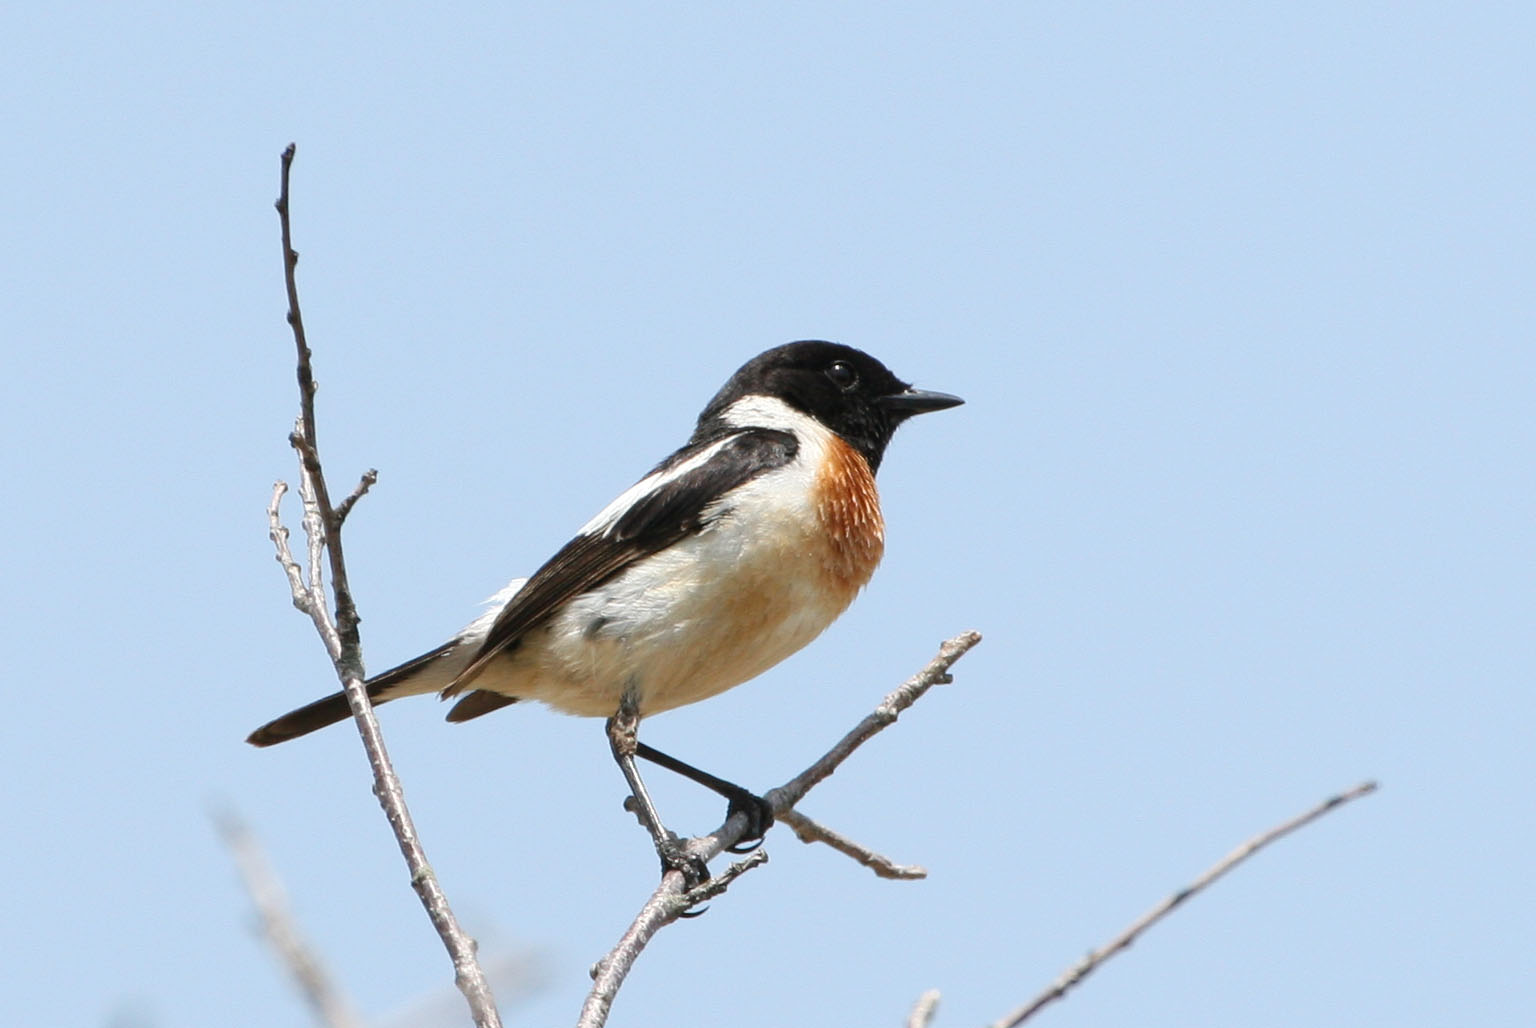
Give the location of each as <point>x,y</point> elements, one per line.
<point>674,510</point>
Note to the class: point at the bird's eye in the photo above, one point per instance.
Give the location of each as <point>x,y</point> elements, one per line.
<point>842,375</point>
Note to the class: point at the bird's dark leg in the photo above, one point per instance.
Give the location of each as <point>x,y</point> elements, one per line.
<point>758,811</point>
<point>622,729</point>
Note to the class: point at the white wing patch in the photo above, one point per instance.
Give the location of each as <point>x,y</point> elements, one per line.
<point>709,612</point>
<point>609,516</point>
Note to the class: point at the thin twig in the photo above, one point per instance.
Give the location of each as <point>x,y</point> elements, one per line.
<point>716,886</point>
<point>1091,962</point>
<point>280,927</point>
<point>322,523</point>
<point>305,440</point>
<point>278,532</point>
<point>809,831</point>
<point>315,537</point>
<point>883,716</point>
<point>923,1010</point>
<point>670,901</point>
<point>367,482</point>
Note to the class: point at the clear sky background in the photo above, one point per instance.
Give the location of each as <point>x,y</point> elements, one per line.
<point>1241,300</point>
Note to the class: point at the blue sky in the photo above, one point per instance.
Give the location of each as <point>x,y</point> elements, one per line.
<point>1240,298</point>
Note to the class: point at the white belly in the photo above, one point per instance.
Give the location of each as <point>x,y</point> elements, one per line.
<point>701,617</point>
<point>714,609</point>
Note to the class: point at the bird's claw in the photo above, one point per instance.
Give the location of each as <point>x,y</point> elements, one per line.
<point>759,815</point>
<point>675,857</point>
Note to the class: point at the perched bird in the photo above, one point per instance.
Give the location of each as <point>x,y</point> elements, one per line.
<point>733,553</point>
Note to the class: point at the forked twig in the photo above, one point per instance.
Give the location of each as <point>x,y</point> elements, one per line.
<point>671,901</point>
<point>322,524</point>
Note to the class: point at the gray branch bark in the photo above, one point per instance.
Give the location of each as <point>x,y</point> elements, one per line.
<point>1074,975</point>
<point>322,526</point>
<point>671,900</point>
<point>281,929</point>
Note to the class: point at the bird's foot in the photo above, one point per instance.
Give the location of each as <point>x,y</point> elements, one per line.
<point>759,815</point>
<point>675,857</point>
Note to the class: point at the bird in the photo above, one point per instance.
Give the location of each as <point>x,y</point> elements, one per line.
<point>730,555</point>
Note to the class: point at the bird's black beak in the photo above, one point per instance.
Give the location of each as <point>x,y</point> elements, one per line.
<point>918,401</point>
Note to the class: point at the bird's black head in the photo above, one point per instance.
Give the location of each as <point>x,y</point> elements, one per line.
<point>844,389</point>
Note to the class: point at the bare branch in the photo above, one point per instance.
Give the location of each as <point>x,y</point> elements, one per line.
<point>923,1010</point>
<point>322,524</point>
<point>809,831</point>
<point>278,532</point>
<point>304,438</point>
<point>279,926</point>
<point>305,430</point>
<point>370,477</point>
<point>716,886</point>
<point>670,901</point>
<point>315,538</point>
<point>1091,962</point>
<point>890,708</point>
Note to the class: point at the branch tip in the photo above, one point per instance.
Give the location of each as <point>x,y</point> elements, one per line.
<point>1092,961</point>
<point>923,1010</point>
<point>322,527</point>
<point>809,831</point>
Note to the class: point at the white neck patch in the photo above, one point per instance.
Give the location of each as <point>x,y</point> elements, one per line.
<point>771,412</point>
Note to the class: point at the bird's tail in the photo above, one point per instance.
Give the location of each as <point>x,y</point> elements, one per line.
<point>433,671</point>
<point>429,672</point>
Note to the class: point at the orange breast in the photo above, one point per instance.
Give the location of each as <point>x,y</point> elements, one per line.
<point>849,508</point>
